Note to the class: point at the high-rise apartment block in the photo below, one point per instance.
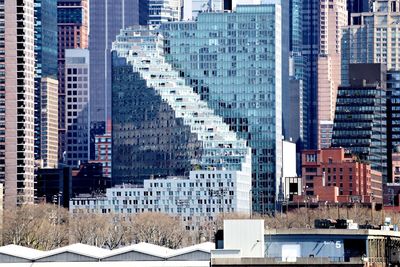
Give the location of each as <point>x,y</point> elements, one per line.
<point>235,65</point>
<point>73,31</point>
<point>373,37</point>
<point>333,16</point>
<point>360,117</point>
<point>17,74</point>
<point>49,122</point>
<point>46,53</point>
<point>77,108</point>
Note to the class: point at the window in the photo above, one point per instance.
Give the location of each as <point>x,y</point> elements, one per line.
<point>311,158</point>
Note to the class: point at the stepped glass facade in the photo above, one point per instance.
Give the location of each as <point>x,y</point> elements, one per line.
<point>160,126</point>
<point>233,62</point>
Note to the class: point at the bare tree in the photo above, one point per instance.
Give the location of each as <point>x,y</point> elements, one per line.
<point>36,226</point>
<point>159,229</point>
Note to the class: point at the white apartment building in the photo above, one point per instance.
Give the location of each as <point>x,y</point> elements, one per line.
<point>196,199</point>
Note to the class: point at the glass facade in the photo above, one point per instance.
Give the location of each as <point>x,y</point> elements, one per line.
<point>393,121</point>
<point>295,124</point>
<point>160,126</point>
<point>310,51</point>
<point>109,16</point>
<point>360,117</point>
<point>160,11</point>
<point>46,53</point>
<point>231,60</point>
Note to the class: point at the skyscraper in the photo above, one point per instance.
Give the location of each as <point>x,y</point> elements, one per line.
<point>49,122</point>
<point>160,126</point>
<point>235,64</point>
<point>372,37</point>
<point>73,31</point>
<point>46,54</point>
<point>108,17</point>
<point>77,108</point>
<point>333,16</point>
<point>360,117</point>
<point>17,101</point>
<point>295,116</point>
<point>310,51</point>
<point>393,121</point>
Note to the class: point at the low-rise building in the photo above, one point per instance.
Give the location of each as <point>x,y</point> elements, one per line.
<point>140,255</point>
<point>334,175</point>
<point>303,247</point>
<point>196,199</point>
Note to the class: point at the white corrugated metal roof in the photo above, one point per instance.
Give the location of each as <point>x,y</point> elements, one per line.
<point>21,252</point>
<point>146,248</point>
<point>81,249</point>
<point>205,247</point>
<point>99,253</point>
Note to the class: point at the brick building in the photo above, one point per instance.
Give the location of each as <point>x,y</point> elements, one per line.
<point>103,150</point>
<point>334,175</point>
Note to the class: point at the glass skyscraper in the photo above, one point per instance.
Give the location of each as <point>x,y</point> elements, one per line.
<point>361,114</point>
<point>46,53</point>
<point>160,126</point>
<point>234,62</point>
<point>393,121</point>
<point>310,51</point>
<point>108,16</point>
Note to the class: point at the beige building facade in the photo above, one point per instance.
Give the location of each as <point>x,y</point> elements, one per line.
<point>17,101</point>
<point>333,16</point>
<point>49,123</point>
<point>373,37</point>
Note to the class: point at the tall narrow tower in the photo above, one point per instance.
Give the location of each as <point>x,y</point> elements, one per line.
<point>17,101</point>
<point>333,16</point>
<point>73,32</point>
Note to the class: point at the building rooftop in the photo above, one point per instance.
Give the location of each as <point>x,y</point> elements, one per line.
<point>81,252</point>
<point>333,232</point>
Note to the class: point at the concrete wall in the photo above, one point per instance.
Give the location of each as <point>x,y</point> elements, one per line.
<point>246,235</point>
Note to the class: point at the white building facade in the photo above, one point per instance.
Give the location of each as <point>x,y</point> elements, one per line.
<point>196,199</point>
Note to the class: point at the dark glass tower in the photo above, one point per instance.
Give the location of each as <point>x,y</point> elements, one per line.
<point>107,18</point>
<point>310,51</point>
<point>393,122</point>
<point>360,123</point>
<point>45,55</point>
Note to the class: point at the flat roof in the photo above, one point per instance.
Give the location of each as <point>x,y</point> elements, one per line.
<point>332,231</point>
